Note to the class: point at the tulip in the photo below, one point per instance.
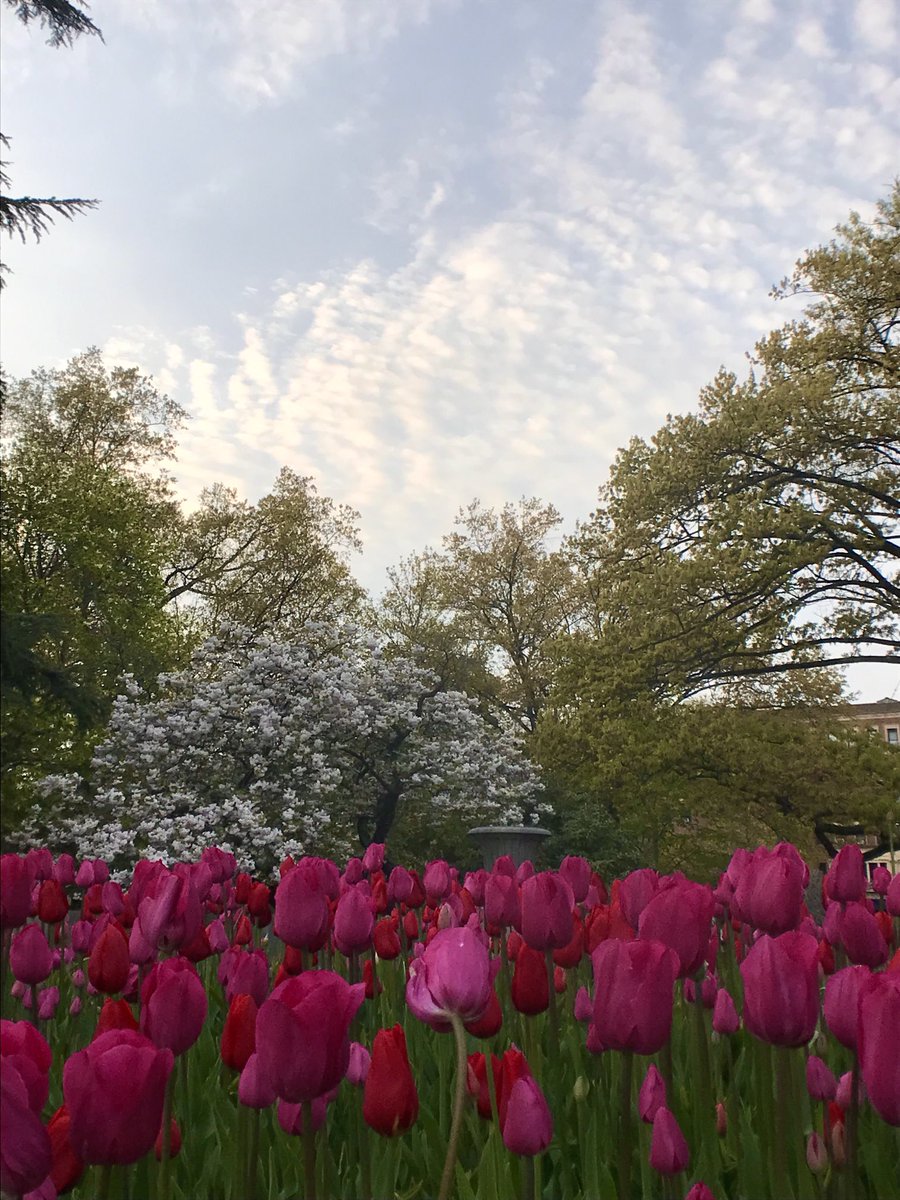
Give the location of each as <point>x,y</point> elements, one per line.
<point>844,1090</point>
<point>769,893</point>
<point>174,1141</point>
<point>679,915</point>
<point>30,956</point>
<point>400,885</point>
<point>27,1050</point>
<point>652,1095</point>
<point>501,901</point>
<point>861,936</point>
<point>584,1006</point>
<point>239,1032</point>
<point>373,858</point>
<point>52,904</point>
<point>699,1191</point>
<point>48,1000</point>
<point>390,1099</point>
<point>437,881</point>
<point>255,1089</point>
<point>25,1157</point>
<point>302,1033</point>
<point>846,878</point>
<point>841,1006</point>
<point>302,915</point>
<point>248,972</point>
<point>820,1082</point>
<point>725,1018</point>
<point>879,1026</point>
<point>109,961</point>
<point>16,882</point>
<point>290,1116</point>
<point>816,1154</point>
<point>115,1014</point>
<point>353,922</point>
<point>881,880</point>
<point>635,893</point>
<point>478,1084</point>
<point>452,978</point>
<point>490,1023</point>
<point>173,1005</point>
<point>530,991</point>
<point>892,896</point>
<point>781,988</point>
<point>633,994</point>
<point>114,1091</point>
<point>669,1153</point>
<point>358,1067</point>
<point>570,955</point>
<point>576,871</point>
<point>721,1119</point>
<point>67,1168</point>
<point>386,940</point>
<point>527,1125</point>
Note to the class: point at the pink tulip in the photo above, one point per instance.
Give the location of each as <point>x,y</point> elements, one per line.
<point>633,994</point>
<point>173,1005</point>
<point>576,871</point>
<point>474,885</point>
<point>25,1157</point>
<point>892,896</point>
<point>781,988</point>
<point>114,1091</point>
<point>652,1096</point>
<point>844,1091</point>
<point>769,893</point>
<point>635,893</point>
<point>290,1116</point>
<point>84,876</point>
<point>816,1154</point>
<point>453,977</point>
<point>30,956</point>
<point>820,1082</point>
<point>842,991</point>
<point>373,859</point>
<point>302,915</point>
<point>48,1000</point>
<point>878,1040</point>
<point>669,1153</point>
<point>725,1018</point>
<point>501,901</point>
<point>16,884</point>
<point>527,1125</point>
<point>400,885</point>
<point>436,881</point>
<point>354,922</point>
<point>881,880</point>
<point>846,878</point>
<point>255,1089</point>
<point>301,1033</point>
<point>699,1192</point>
<point>245,971</point>
<point>861,936</point>
<point>679,915</point>
<point>360,1061</point>
<point>27,1050</point>
<point>546,904</point>
<point>584,1006</point>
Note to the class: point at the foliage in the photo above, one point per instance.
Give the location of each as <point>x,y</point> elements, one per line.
<point>267,747</point>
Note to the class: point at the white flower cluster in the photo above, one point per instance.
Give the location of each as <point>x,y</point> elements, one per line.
<point>266,748</point>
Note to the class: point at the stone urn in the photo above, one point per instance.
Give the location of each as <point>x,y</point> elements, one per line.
<point>518,841</point>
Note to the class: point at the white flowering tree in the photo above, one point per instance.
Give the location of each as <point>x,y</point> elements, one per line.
<point>266,747</point>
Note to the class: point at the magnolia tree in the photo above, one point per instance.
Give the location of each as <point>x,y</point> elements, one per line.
<point>267,748</point>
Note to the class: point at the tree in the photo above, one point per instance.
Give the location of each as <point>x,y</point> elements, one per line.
<point>26,215</point>
<point>761,536</point>
<point>274,566</point>
<point>86,526</point>
<point>485,611</point>
<point>269,747</point>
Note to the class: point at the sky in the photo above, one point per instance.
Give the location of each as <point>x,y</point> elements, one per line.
<point>430,250</point>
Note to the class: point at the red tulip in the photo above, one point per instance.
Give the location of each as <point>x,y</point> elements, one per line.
<point>174,1141</point>
<point>490,1023</point>
<point>302,915</point>
<point>115,1014</point>
<point>633,994</point>
<point>477,1082</point>
<point>846,878</point>
<point>16,883</point>
<point>390,1100</point>
<point>114,1093</point>
<point>570,955</point>
<point>530,991</point>
<point>452,977</point>
<point>30,956</point>
<point>239,1032</point>
<point>374,986</point>
<point>781,988</point>
<point>385,940</point>
<point>545,920</point>
<point>109,961</point>
<point>411,926</point>
<point>302,1033</point>
<point>679,915</point>
<point>879,1038</point>
<point>25,1157</point>
<point>527,1126</point>
<point>173,1005</point>
<point>67,1168</point>
<point>669,1153</point>
<point>52,904</point>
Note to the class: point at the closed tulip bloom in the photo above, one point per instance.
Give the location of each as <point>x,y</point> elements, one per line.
<point>570,955</point>
<point>27,1050</point>
<point>453,977</point>
<point>174,1141</point>
<point>302,1033</point>
<point>255,1089</point>
<point>584,1006</point>
<point>652,1096</point>
<point>400,885</point>
<point>477,1082</point>
<point>881,880</point>
<point>530,989</point>
<point>816,1154</point>
<point>501,901</point>
<point>173,1005</point>
<point>841,1006</point>
<point>115,1014</point>
<point>25,1157</point>
<point>861,936</point>
<point>635,892</point>
<point>633,994</point>
<point>725,1019</point>
<point>576,871</point>
<point>249,973</point>
<point>669,1153</point>
<point>769,893</point>
<point>820,1082</point>
<point>16,883</point>
<point>699,1191</point>
<point>114,1092</point>
<point>474,885</point>
<point>679,915</point>
<point>30,956</point>
<point>66,1167</point>
<point>879,1038</point>
<point>386,940</point>
<point>781,988</point>
<point>373,859</point>
<point>239,1032</point>
<point>358,1066</point>
<point>302,915</point>
<point>390,1100</point>
<point>290,1116</point>
<point>436,881</point>
<point>48,1000</point>
<point>846,878</point>
<point>353,922</point>
<point>109,961</point>
<point>527,1126</point>
<point>52,904</point>
<point>892,896</point>
<point>844,1090</point>
<point>490,1022</point>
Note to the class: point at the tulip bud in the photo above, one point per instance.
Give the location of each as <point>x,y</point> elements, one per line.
<point>669,1154</point>
<point>527,1125</point>
<point>721,1120</point>
<point>699,1192</point>
<point>838,1144</point>
<point>109,961</point>
<point>360,1061</point>
<point>652,1096</point>
<point>816,1154</point>
<point>581,1089</point>
<point>174,1141</point>
<point>30,956</point>
<point>820,1082</point>
<point>845,1088</point>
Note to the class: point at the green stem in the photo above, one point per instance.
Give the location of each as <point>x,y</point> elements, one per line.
<point>164,1177</point>
<point>625,1125</point>
<point>527,1177</point>
<point>365,1161</point>
<point>309,1151</point>
<point>104,1178</point>
<point>784,1118</point>
<point>253,1155</point>
<point>459,1101</point>
<point>853,1188</point>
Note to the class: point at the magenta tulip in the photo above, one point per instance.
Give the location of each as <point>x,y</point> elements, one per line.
<point>636,891</point>
<point>373,859</point>
<point>769,892</point>
<point>633,994</point>
<point>255,1089</point>
<point>679,915</point>
<point>652,1096</point>
<point>247,972</point>
<point>881,880</point>
<point>527,1123</point>
<point>25,1156</point>
<point>576,871</point>
<point>173,1005</point>
<point>400,886</point>
<point>16,884</point>
<point>114,1091</point>
<point>30,956</point>
<point>354,921</point>
<point>846,878</point>
<point>725,1019</point>
<point>302,915</point>
<point>820,1081</point>
<point>842,991</point>
<point>861,937</point>
<point>878,1042</point>
<point>501,901</point>
<point>545,918</point>
<point>669,1153</point>
<point>699,1191</point>
<point>27,1050</point>
<point>584,1006</point>
<point>892,896</point>
<point>453,977</point>
<point>290,1116</point>
<point>436,881</point>
<point>302,1033</point>
<point>781,988</point>
<point>358,1067</point>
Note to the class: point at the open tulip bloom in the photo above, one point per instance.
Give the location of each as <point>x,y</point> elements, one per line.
<point>371,1029</point>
